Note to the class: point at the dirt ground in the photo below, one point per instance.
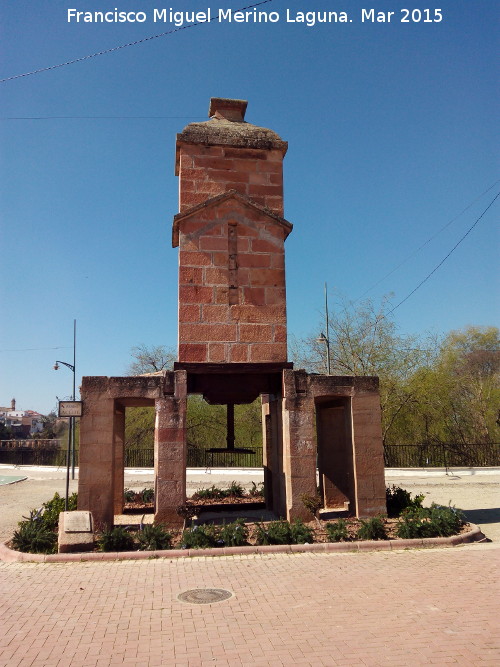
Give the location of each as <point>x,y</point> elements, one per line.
<point>475,491</point>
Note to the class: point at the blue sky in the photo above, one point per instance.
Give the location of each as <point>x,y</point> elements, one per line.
<point>392,133</point>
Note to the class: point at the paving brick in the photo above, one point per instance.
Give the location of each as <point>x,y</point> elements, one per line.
<point>421,607</point>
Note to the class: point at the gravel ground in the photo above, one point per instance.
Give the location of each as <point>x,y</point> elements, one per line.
<point>475,491</point>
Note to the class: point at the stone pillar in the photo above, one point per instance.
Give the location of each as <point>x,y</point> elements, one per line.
<point>299,444</point>
<point>119,465</point>
<point>368,454</point>
<point>170,455</point>
<point>97,458</point>
<point>272,454</point>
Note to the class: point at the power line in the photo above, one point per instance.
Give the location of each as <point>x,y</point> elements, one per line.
<point>37,349</point>
<point>95,117</point>
<point>412,254</point>
<point>124,46</point>
<point>384,316</point>
<point>446,257</point>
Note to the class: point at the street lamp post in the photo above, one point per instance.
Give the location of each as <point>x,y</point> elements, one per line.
<point>71,433</point>
<point>326,339</point>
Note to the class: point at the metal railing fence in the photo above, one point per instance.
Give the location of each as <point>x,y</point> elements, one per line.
<point>199,458</point>
<point>134,458</point>
<point>395,456</point>
<point>442,455</point>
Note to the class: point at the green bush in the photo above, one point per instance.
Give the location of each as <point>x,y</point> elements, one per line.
<point>33,536</point>
<point>338,531</point>
<point>282,532</point>
<point>116,539</point>
<point>234,534</point>
<point>212,493</point>
<point>200,537</point>
<point>300,533</point>
<point>256,490</point>
<point>399,499</point>
<point>312,503</point>
<point>129,496</point>
<point>235,489</point>
<point>448,520</point>
<point>433,521</point>
<point>154,537</point>
<point>276,532</point>
<point>372,529</point>
<point>52,508</point>
<point>148,495</point>
<point>37,533</point>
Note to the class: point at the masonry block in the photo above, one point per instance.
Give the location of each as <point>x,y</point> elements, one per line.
<point>171,452</point>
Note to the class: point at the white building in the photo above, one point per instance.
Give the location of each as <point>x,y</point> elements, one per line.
<point>23,423</point>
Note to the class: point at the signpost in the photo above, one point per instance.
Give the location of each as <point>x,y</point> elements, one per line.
<point>70,408</point>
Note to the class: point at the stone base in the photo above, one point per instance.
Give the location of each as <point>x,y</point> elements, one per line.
<point>75,532</point>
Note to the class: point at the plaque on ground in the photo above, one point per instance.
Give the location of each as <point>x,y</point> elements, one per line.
<point>77,522</point>
<point>75,532</point>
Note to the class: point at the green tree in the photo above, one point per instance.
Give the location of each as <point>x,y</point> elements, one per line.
<point>205,424</point>
<point>5,432</point>
<point>457,399</point>
<point>140,422</point>
<point>364,341</point>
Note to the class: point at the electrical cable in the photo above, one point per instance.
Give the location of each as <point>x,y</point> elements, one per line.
<point>412,254</point>
<point>98,117</point>
<point>124,46</point>
<point>37,349</point>
<point>446,257</point>
<point>385,315</point>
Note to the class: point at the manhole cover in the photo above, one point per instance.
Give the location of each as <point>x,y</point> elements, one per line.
<point>204,595</point>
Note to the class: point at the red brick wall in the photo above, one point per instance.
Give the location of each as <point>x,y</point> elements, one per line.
<point>207,171</point>
<point>232,304</point>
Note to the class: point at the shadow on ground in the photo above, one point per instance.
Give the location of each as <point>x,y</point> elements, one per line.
<point>480,516</point>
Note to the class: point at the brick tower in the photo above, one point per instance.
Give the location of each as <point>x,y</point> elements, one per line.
<point>230,233</point>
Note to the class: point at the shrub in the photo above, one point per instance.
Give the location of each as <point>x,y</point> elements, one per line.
<point>153,538</point>
<point>338,531</point>
<point>200,537</point>
<point>116,539</point>
<point>235,489</point>
<point>312,503</point>
<point>33,536</point>
<point>414,524</point>
<point>372,529</point>
<point>399,499</point>
<point>433,521</point>
<point>448,520</point>
<point>256,490</point>
<point>212,493</point>
<point>234,534</point>
<point>276,532</point>
<point>300,533</point>
<point>37,533</point>
<point>187,512</point>
<point>148,495</point>
<point>129,495</point>
<point>282,532</point>
<point>52,508</point>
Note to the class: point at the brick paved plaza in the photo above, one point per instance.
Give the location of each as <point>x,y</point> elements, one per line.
<point>415,607</point>
<point>380,608</point>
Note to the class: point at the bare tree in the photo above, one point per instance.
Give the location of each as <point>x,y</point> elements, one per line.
<point>152,359</point>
